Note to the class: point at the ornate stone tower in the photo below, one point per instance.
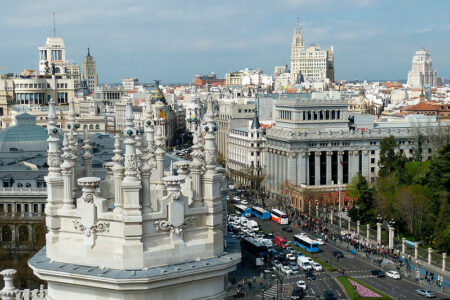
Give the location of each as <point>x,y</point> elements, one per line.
<point>163,239</point>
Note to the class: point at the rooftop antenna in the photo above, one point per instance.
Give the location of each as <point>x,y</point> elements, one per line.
<point>54,24</point>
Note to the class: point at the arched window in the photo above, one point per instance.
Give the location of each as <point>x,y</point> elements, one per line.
<point>23,234</point>
<point>85,126</point>
<point>97,126</point>
<point>19,185</point>
<point>6,234</point>
<point>91,126</point>
<point>27,184</point>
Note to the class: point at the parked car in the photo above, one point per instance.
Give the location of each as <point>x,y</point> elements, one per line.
<point>378,273</point>
<point>317,267</point>
<point>290,250</point>
<point>393,274</point>
<point>277,264</point>
<point>338,254</point>
<point>426,293</point>
<point>329,295</point>
<point>294,267</point>
<point>302,285</point>
<point>244,202</point>
<point>310,275</point>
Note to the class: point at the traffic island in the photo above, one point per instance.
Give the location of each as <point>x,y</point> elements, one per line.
<point>355,289</point>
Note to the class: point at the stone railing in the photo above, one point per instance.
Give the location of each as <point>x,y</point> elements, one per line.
<point>29,191</point>
<point>9,292</point>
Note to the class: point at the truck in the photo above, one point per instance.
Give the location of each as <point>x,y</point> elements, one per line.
<point>304,263</point>
<point>252,225</point>
<point>280,241</point>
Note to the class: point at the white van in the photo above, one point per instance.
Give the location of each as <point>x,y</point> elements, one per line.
<point>304,263</point>
<point>253,226</point>
<point>243,221</point>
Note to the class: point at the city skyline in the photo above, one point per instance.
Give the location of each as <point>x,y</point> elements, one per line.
<point>174,41</point>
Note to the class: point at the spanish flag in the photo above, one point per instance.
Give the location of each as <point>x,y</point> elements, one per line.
<point>161,114</point>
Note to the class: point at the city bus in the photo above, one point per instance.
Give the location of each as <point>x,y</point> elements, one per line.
<point>279,217</point>
<point>243,210</point>
<point>261,213</point>
<point>255,251</point>
<point>306,243</point>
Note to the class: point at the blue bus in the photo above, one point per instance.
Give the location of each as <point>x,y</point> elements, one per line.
<point>261,213</point>
<point>306,243</point>
<point>243,210</point>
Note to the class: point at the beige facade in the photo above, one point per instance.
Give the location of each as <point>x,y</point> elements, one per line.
<point>90,71</point>
<point>73,71</point>
<point>312,63</point>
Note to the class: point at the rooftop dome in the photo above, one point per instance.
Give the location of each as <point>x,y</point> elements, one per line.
<point>23,136</point>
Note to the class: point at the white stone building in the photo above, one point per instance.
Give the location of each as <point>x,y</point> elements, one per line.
<point>422,72</point>
<point>137,234</point>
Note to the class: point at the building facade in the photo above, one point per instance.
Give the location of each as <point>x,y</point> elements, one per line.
<point>90,71</point>
<point>318,143</point>
<point>422,72</point>
<point>310,63</point>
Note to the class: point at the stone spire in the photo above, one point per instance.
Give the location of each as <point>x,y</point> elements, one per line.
<point>210,129</point>
<point>87,155</point>
<point>72,115</point>
<point>255,122</point>
<point>118,170</point>
<point>131,159</point>
<point>54,154</point>
<point>67,171</point>
<point>196,169</point>
<point>160,153</point>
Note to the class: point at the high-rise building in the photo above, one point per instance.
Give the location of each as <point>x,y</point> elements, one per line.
<point>90,71</point>
<point>311,63</point>
<point>52,57</point>
<point>422,70</point>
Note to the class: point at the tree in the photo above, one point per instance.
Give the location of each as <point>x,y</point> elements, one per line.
<point>390,160</point>
<point>413,206</point>
<point>363,209</point>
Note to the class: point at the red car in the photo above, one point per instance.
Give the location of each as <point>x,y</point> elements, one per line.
<point>280,241</point>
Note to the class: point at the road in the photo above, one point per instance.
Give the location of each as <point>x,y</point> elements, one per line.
<point>353,266</point>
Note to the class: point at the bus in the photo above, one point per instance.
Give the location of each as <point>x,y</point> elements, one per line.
<point>279,217</point>
<point>261,213</point>
<point>243,210</point>
<point>255,251</point>
<point>306,243</point>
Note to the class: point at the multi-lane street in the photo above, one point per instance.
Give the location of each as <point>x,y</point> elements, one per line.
<point>353,266</point>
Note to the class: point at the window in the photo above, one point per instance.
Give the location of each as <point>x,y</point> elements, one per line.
<point>372,160</point>
<point>372,152</point>
<point>372,169</point>
<point>27,184</point>
<point>19,185</point>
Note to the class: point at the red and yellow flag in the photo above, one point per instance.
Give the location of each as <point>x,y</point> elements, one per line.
<point>161,114</point>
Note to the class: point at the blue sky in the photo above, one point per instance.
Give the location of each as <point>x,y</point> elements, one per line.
<point>173,40</point>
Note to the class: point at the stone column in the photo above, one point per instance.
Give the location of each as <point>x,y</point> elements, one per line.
<point>403,246</point>
<point>391,237</point>
<point>9,292</point>
<point>349,225</point>
<point>365,163</point>
<point>118,171</point>
<point>416,246</point>
<point>196,170</point>
<point>379,234</point>
<point>317,168</point>
<point>87,155</point>
<point>66,171</point>
<point>444,256</point>
<point>430,250</point>
<point>291,167</point>
<point>340,167</point>
<point>317,210</point>
<point>307,157</point>
<point>358,223</point>
<point>340,221</point>
<point>331,216</point>
<point>368,231</point>
<point>309,208</point>
<point>329,154</point>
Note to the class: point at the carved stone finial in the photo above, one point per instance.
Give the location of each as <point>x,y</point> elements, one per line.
<point>9,291</point>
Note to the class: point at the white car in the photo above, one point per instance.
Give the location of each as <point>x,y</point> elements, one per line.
<point>290,257</point>
<point>301,284</point>
<point>320,242</point>
<point>244,202</point>
<point>317,267</point>
<point>393,274</point>
<point>286,270</point>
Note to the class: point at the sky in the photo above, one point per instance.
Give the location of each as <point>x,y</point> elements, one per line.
<point>173,40</point>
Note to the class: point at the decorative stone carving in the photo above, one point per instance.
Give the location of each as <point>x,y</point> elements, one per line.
<point>165,225</point>
<point>88,231</point>
<point>54,159</point>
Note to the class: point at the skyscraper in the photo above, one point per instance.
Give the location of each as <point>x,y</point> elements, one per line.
<point>312,63</point>
<point>422,70</point>
<point>90,71</point>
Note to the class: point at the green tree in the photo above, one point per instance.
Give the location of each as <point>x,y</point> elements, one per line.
<point>364,208</point>
<point>390,159</point>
